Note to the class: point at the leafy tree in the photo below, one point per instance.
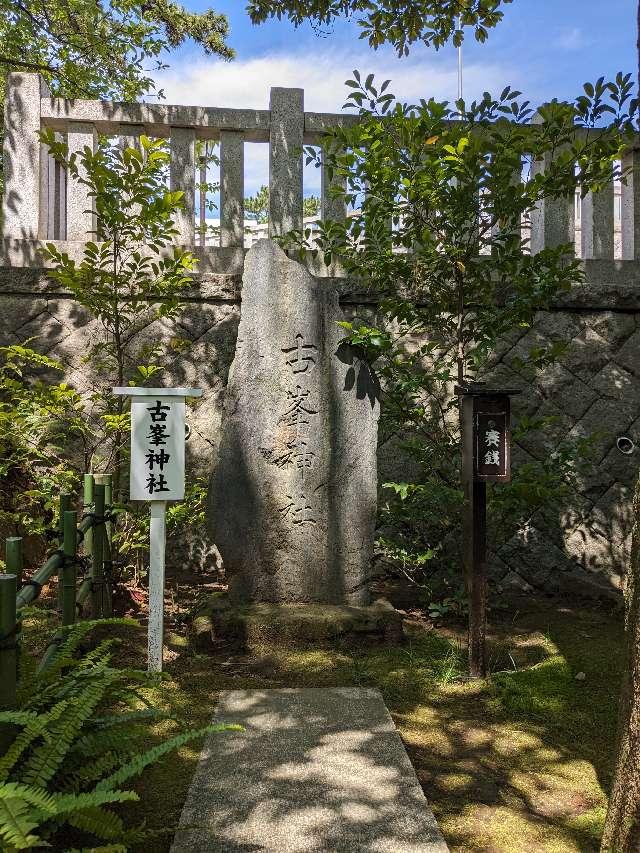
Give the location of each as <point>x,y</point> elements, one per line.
<point>130,278</point>
<point>91,48</point>
<point>206,156</point>
<point>440,200</point>
<point>622,826</point>
<point>311,206</point>
<point>401,23</point>
<point>257,206</point>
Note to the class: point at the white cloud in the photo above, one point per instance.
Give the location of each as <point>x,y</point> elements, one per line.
<point>571,39</point>
<point>246,84</point>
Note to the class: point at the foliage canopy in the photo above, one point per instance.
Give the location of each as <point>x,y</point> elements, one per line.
<point>401,23</point>
<point>439,195</point>
<point>100,48</point>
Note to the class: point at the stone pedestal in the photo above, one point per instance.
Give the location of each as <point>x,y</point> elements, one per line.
<point>293,494</point>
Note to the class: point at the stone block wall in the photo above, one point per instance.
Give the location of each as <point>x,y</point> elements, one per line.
<point>594,390</point>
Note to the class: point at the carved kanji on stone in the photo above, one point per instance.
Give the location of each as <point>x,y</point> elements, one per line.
<point>292,499</point>
<point>302,359</point>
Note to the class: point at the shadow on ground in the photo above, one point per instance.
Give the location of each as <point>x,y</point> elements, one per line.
<point>518,764</point>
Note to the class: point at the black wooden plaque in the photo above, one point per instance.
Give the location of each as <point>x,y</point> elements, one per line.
<point>491,439</point>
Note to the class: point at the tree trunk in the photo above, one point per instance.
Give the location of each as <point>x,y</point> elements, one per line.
<point>622,826</point>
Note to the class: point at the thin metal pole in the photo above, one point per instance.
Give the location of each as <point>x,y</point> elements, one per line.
<point>68,573</point>
<point>157,537</point>
<point>8,643</point>
<point>460,64</point>
<point>14,558</point>
<point>97,568</point>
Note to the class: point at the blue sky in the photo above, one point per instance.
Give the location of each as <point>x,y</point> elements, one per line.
<point>546,48</point>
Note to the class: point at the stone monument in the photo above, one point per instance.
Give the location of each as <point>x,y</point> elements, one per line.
<point>292,498</point>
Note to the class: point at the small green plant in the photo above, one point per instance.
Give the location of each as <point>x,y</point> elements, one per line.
<point>80,727</point>
<point>36,419</point>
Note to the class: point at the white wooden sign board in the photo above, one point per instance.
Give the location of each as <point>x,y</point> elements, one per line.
<point>157,476</point>
<point>157,448</point>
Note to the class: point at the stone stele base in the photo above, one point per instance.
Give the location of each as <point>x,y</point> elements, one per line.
<point>253,625</point>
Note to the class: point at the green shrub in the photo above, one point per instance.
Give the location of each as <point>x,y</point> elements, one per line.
<point>75,738</point>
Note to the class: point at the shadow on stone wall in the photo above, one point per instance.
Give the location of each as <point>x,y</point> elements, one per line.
<point>593,391</point>
<point>583,547</point>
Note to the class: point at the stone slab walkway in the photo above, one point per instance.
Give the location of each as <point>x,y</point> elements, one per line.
<point>314,770</point>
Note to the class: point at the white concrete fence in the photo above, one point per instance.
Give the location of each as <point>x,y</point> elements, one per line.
<point>39,204</point>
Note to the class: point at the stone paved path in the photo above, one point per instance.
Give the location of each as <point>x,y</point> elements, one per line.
<point>314,770</point>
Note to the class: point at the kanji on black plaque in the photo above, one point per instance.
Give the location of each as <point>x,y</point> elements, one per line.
<point>157,484</point>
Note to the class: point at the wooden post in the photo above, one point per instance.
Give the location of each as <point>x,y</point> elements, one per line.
<point>68,574</point>
<point>476,555</point>
<point>8,643</point>
<point>97,568</point>
<point>14,558</point>
<point>486,457</point>
<point>64,505</point>
<point>474,541</point>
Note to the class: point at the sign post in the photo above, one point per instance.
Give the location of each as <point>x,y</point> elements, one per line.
<point>157,476</point>
<point>486,458</point>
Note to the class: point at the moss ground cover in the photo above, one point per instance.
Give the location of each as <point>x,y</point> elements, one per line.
<point>520,763</point>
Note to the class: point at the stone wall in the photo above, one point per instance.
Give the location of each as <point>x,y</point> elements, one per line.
<point>595,389</point>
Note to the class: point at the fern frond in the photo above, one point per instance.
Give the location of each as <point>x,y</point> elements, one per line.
<point>75,634</point>
<point>47,758</point>
<point>101,652</point>
<point>40,798</point>
<point>17,718</point>
<point>91,771</point>
<point>21,808</point>
<point>36,727</point>
<point>138,764</point>
<point>101,823</point>
<point>68,803</point>
<point>91,745</point>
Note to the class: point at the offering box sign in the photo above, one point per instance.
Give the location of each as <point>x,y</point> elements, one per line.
<point>491,439</point>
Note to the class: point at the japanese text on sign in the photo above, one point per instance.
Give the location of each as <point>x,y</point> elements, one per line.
<point>157,448</point>
<point>490,444</point>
